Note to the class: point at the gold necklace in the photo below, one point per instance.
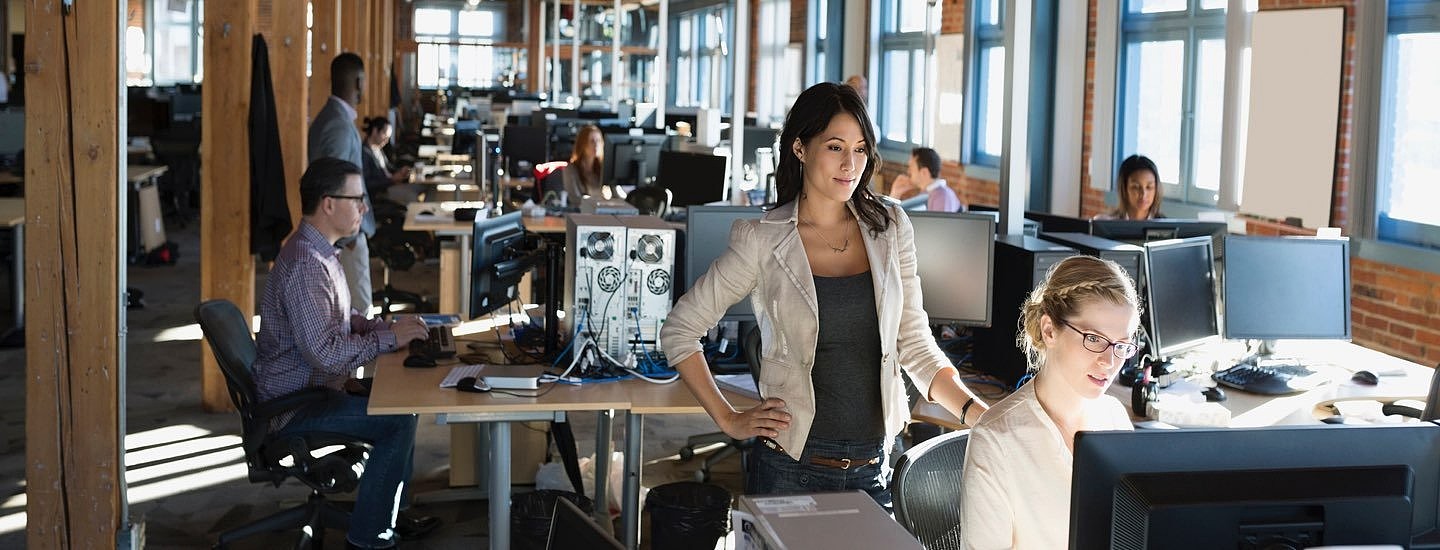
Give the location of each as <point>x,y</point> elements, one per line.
<point>833,248</point>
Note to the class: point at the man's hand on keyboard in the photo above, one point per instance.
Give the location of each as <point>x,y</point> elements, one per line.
<point>407,328</point>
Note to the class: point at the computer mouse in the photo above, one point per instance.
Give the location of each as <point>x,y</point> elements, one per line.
<point>1337,419</point>
<point>1365,378</point>
<point>427,212</point>
<point>472,385</point>
<point>1214,395</point>
<point>420,361</point>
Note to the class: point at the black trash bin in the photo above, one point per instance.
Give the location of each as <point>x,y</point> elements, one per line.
<point>530,515</point>
<point>687,515</point>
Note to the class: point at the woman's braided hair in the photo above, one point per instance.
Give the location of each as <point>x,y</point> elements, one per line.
<point>1071,284</point>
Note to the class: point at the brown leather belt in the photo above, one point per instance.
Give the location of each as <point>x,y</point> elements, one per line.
<point>842,463</point>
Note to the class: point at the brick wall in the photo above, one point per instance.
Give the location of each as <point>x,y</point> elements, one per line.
<point>797,20</point>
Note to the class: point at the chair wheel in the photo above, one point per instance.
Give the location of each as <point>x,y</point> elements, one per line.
<point>702,476</point>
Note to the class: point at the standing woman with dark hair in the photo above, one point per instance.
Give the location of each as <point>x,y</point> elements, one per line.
<point>584,175</point>
<point>1140,191</point>
<point>830,272</point>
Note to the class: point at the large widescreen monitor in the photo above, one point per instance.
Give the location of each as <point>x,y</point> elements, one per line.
<point>1180,295</point>
<point>955,258</point>
<point>1287,287</point>
<point>707,235</point>
<point>1282,487</point>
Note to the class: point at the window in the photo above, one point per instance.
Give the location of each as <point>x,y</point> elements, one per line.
<point>1410,127</point>
<point>455,48</point>
<point>701,64</point>
<point>773,64</point>
<point>905,83</point>
<point>986,116</point>
<point>826,30</point>
<point>169,49</point>
<point>1171,93</point>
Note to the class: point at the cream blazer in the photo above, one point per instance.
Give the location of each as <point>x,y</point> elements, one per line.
<point>766,260</point>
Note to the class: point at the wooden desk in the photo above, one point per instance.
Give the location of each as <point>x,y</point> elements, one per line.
<point>398,390</point>
<point>933,413</point>
<point>1253,410</point>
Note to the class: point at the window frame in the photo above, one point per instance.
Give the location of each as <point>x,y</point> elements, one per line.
<point>1191,26</point>
<point>1401,17</point>
<point>699,57</point>
<point>448,45</point>
<point>825,39</point>
<point>913,44</point>
<point>982,37</point>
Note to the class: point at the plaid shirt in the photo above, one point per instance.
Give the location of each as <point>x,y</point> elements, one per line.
<point>308,337</point>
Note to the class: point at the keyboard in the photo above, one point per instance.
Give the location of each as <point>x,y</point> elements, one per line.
<point>461,371</point>
<point>439,345</point>
<point>1270,378</point>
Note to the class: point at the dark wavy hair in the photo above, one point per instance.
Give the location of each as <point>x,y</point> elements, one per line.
<point>810,115</point>
<point>376,123</point>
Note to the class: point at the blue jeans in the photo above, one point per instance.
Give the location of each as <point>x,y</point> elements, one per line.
<point>775,473</point>
<point>385,483</point>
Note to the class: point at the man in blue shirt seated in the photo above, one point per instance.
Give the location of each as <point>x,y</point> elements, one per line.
<point>310,337</point>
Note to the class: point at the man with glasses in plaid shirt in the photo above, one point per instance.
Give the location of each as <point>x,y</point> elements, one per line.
<point>310,337</point>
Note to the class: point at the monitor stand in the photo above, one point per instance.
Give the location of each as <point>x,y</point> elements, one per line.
<point>1262,350</point>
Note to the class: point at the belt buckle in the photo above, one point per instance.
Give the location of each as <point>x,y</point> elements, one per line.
<point>845,464</point>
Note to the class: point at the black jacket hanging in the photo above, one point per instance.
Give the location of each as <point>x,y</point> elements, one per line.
<point>269,210</point>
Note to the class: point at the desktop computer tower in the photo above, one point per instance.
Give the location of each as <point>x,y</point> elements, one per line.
<point>1129,256</point>
<point>1021,263</point>
<point>596,271</point>
<point>651,250</point>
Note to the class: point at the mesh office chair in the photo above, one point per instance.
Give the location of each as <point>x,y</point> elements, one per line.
<point>1432,400</point>
<point>271,458</point>
<point>549,182</point>
<point>751,347</point>
<point>926,488</point>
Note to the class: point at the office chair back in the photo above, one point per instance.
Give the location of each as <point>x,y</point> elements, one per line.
<point>228,333</point>
<point>752,347</point>
<point>549,178</point>
<point>650,200</point>
<point>926,488</point>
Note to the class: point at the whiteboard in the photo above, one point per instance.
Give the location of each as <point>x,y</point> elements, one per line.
<point>949,101</point>
<point>1294,114</point>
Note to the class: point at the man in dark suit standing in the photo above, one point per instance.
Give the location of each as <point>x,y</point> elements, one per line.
<point>333,134</point>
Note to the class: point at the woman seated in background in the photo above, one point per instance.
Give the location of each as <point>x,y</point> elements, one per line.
<point>380,181</point>
<point>584,176</point>
<point>1078,329</point>
<point>1140,193</point>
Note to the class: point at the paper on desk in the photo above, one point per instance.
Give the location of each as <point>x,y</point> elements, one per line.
<point>742,384</point>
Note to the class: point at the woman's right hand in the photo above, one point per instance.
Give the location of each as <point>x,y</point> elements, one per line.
<point>765,419</point>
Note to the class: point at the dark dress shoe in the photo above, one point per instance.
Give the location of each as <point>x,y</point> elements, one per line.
<point>414,526</point>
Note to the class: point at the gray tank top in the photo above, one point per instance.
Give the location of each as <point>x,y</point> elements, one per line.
<point>847,361</point>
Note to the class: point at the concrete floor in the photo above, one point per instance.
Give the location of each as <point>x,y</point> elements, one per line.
<point>185,493</point>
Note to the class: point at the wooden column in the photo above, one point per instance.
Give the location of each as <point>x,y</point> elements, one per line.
<point>74,375</point>
<point>227,269</point>
<point>287,74</point>
<point>384,42</point>
<point>355,38</point>
<point>324,45</point>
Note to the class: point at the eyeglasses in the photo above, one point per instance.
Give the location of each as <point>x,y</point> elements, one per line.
<point>1098,344</point>
<point>359,199</point>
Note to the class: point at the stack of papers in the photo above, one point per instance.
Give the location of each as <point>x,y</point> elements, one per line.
<point>742,384</point>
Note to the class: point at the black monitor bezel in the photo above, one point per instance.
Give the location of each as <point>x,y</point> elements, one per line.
<point>1159,348</point>
<point>990,273</point>
<point>1231,274</point>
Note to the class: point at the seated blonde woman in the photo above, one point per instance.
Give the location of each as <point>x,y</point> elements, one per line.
<point>1078,328</point>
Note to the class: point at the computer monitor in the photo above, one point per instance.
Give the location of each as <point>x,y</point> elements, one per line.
<point>571,529</point>
<point>755,138</point>
<point>707,235</point>
<point>1287,287</point>
<point>526,144</point>
<point>495,269</point>
<point>1056,223</point>
<point>632,159</point>
<point>955,255</point>
<point>1143,231</point>
<point>692,178</point>
<point>1180,295</point>
<point>1217,488</point>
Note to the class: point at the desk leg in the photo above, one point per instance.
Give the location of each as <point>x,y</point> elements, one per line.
<point>630,505</point>
<point>604,432</point>
<point>499,485</point>
<point>464,293</point>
